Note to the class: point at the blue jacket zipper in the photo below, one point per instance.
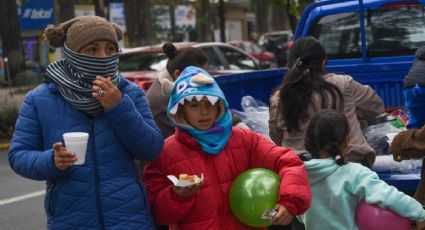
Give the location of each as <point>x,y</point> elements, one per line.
<point>96,178</point>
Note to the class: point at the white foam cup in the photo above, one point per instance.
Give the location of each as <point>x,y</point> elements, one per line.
<point>77,142</point>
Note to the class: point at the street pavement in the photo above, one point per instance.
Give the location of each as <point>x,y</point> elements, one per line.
<point>21,200</point>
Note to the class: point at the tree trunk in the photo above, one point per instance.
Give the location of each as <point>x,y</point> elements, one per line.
<point>11,37</point>
<point>261,12</point>
<point>203,21</point>
<point>139,23</point>
<point>64,10</point>
<point>99,7</point>
<point>294,15</point>
<point>131,9</point>
<point>172,9</point>
<point>147,35</point>
<point>222,13</point>
<point>291,17</point>
<point>279,18</point>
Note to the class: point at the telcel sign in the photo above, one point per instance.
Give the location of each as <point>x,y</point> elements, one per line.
<point>36,14</point>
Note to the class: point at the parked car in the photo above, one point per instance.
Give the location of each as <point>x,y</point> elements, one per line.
<point>141,65</point>
<point>257,51</point>
<point>277,42</point>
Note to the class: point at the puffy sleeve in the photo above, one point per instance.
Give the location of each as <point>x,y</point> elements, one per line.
<point>167,206</point>
<point>375,191</point>
<point>275,133</point>
<point>295,192</point>
<point>132,121</point>
<point>27,155</point>
<point>409,144</point>
<point>367,101</point>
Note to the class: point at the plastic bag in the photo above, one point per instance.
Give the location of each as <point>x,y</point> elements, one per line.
<point>386,163</point>
<point>376,136</point>
<point>380,136</point>
<point>255,115</point>
<point>401,117</point>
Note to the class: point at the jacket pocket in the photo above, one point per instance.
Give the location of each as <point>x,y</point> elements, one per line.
<point>143,194</point>
<point>50,200</point>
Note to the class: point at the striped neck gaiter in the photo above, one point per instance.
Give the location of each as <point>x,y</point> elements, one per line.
<point>75,75</point>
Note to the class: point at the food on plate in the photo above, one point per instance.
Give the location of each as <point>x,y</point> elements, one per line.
<point>191,178</point>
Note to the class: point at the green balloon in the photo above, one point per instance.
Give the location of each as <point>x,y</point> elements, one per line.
<point>252,193</point>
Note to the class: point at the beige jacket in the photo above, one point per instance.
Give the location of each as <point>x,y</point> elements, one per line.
<point>408,145</point>
<point>158,103</point>
<point>360,103</point>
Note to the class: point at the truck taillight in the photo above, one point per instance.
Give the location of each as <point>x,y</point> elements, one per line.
<point>289,44</point>
<point>145,85</point>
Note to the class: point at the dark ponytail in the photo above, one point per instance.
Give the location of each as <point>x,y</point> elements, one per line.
<point>334,150</point>
<point>327,131</point>
<point>304,77</point>
<point>180,59</point>
<point>170,50</point>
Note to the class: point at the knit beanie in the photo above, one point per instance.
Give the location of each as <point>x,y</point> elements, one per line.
<point>81,31</point>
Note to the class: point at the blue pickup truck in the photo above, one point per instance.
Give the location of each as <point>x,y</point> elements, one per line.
<point>374,41</point>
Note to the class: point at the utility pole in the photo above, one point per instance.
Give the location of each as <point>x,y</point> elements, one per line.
<point>222,13</point>
<point>172,10</point>
<point>10,35</point>
<point>99,7</point>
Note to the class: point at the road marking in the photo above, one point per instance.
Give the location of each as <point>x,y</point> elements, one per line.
<point>23,197</point>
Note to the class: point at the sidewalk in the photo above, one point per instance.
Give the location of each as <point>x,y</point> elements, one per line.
<point>12,95</point>
<point>8,95</point>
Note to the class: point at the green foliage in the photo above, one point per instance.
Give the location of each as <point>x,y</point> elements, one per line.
<point>296,7</point>
<point>303,5</point>
<point>161,34</point>
<point>9,103</point>
<point>85,2</point>
<point>278,2</point>
<point>8,115</point>
<point>27,78</point>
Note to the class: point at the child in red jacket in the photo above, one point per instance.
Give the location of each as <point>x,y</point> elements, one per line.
<point>205,143</point>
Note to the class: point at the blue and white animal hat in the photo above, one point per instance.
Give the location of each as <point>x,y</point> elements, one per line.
<point>196,83</point>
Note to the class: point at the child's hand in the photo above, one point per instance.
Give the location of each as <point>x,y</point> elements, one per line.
<point>283,216</point>
<point>187,191</point>
<point>420,225</point>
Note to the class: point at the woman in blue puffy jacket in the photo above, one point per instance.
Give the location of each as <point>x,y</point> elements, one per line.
<point>84,92</point>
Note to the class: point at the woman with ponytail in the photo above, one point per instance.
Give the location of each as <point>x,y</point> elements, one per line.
<point>337,187</point>
<point>178,60</point>
<point>307,89</point>
<point>85,92</point>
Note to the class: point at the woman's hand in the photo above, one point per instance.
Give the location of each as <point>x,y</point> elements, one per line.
<point>63,158</point>
<point>420,225</point>
<point>105,92</point>
<point>283,216</point>
<point>187,191</point>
